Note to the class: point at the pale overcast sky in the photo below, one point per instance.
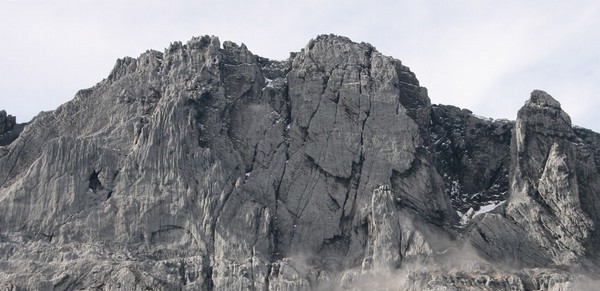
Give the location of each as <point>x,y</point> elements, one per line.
<point>486,56</point>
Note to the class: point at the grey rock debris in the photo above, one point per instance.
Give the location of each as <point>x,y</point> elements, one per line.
<point>206,167</point>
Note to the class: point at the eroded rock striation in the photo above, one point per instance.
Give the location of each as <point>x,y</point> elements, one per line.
<point>206,167</point>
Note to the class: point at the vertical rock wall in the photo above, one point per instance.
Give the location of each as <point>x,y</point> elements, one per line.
<point>205,167</point>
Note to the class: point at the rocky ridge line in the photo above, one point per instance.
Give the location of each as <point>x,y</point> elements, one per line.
<point>206,167</point>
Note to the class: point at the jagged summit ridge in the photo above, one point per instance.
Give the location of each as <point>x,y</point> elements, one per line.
<point>543,113</point>
<point>206,167</point>
<point>543,99</point>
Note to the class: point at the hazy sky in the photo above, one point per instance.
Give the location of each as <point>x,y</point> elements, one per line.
<point>486,56</point>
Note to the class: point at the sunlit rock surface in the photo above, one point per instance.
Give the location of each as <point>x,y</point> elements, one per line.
<point>206,167</point>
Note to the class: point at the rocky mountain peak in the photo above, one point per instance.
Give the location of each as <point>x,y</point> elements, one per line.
<point>206,167</point>
<point>9,128</point>
<point>543,99</point>
<point>543,114</point>
<point>7,122</point>
<point>331,41</point>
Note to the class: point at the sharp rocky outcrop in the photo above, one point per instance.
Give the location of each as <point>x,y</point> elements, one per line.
<point>9,128</point>
<point>206,167</point>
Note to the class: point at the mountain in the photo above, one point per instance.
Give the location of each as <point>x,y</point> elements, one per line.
<point>206,167</point>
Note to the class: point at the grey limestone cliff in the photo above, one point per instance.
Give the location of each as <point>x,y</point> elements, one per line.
<point>552,171</point>
<point>206,167</point>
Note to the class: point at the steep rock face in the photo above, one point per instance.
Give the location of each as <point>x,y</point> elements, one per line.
<point>205,167</point>
<point>223,165</point>
<point>474,155</point>
<point>545,221</point>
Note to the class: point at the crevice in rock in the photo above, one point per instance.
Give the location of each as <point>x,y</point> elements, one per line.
<point>201,107</point>
<point>325,82</point>
<point>48,236</point>
<point>352,187</point>
<point>275,221</point>
<point>207,267</point>
<point>268,276</point>
<point>333,204</point>
<point>165,228</point>
<point>181,271</point>
<point>482,234</point>
<point>274,224</point>
<point>94,182</point>
<point>304,130</point>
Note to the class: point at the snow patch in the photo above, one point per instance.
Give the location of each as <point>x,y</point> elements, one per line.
<point>471,213</point>
<point>268,83</point>
<point>487,208</point>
